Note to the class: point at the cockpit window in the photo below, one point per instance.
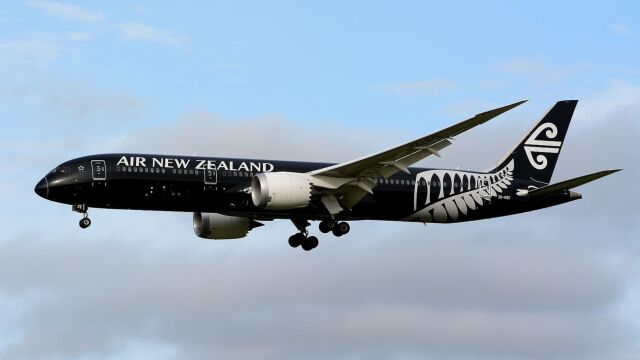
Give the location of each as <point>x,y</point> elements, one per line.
<point>61,170</point>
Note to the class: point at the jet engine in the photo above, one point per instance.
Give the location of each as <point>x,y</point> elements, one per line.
<point>221,227</point>
<point>280,190</point>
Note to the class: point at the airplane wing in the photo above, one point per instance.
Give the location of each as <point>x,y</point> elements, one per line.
<point>390,161</point>
<point>567,184</point>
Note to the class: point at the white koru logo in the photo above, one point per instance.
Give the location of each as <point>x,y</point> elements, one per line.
<point>542,147</point>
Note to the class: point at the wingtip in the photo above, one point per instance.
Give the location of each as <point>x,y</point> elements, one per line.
<point>609,172</point>
<point>515,104</point>
<point>503,109</point>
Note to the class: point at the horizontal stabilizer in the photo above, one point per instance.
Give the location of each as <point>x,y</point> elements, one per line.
<point>568,184</point>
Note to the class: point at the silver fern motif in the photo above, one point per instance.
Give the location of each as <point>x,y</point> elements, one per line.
<point>448,207</point>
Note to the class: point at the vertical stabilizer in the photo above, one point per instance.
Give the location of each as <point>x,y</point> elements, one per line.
<point>536,154</point>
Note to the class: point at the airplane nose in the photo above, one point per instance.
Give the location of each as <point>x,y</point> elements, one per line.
<point>42,188</point>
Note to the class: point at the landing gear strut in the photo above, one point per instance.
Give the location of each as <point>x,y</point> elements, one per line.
<point>302,238</point>
<point>85,221</point>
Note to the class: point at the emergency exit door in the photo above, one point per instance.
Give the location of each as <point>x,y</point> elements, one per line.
<point>98,170</point>
<point>211,176</point>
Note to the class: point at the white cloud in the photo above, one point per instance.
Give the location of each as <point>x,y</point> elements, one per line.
<point>81,106</point>
<point>30,52</point>
<point>80,36</point>
<point>208,134</point>
<point>144,32</point>
<point>622,30</point>
<point>450,294</point>
<point>140,8</point>
<point>618,101</point>
<point>427,87</point>
<point>131,29</point>
<point>70,102</point>
<point>67,11</point>
<point>539,71</point>
<point>528,286</point>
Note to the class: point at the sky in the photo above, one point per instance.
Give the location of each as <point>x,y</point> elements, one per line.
<point>326,81</point>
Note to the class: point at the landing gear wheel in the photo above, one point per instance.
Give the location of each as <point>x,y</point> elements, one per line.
<point>341,229</point>
<point>310,243</point>
<point>296,239</point>
<point>85,222</point>
<point>327,225</point>
<point>82,209</point>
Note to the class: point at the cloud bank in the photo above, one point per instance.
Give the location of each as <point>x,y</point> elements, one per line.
<point>140,284</point>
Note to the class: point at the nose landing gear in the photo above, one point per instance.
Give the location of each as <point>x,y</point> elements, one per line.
<point>85,222</point>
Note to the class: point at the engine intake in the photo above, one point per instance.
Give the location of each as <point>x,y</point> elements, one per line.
<point>221,227</point>
<point>280,190</point>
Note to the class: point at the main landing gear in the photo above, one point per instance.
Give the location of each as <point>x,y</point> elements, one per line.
<point>302,238</point>
<point>307,242</point>
<point>337,228</point>
<point>85,221</point>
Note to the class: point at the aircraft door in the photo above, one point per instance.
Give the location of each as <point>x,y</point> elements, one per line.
<point>211,176</point>
<point>98,170</point>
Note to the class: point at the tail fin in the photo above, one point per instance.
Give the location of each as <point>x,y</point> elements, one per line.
<point>536,154</point>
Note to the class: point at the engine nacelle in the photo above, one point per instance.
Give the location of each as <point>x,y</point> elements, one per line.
<point>280,190</point>
<point>220,227</point>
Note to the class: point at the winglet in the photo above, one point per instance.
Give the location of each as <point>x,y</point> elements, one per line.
<point>495,112</point>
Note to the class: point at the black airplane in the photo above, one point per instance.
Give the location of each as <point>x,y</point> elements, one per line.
<point>229,197</point>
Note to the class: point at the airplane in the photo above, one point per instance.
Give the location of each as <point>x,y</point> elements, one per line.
<point>230,197</point>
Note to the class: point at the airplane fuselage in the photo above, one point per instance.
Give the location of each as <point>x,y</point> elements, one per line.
<point>222,185</point>
<point>229,197</point>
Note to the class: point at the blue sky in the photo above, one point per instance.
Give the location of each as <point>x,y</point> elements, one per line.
<point>327,82</point>
<point>357,63</point>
